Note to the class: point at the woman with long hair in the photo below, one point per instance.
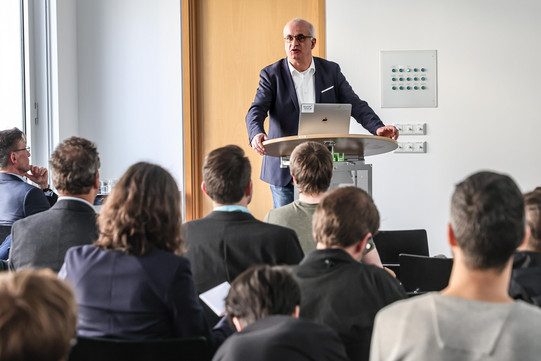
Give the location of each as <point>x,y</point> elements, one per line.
<point>133,283</point>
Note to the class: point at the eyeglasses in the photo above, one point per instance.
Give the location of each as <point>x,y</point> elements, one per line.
<point>18,150</point>
<point>300,38</point>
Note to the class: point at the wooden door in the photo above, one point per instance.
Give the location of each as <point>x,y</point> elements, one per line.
<point>225,45</point>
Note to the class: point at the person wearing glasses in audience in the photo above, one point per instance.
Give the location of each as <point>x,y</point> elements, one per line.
<point>19,198</point>
<point>284,86</point>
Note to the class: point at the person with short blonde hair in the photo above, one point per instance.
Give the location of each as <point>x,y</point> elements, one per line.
<point>38,316</point>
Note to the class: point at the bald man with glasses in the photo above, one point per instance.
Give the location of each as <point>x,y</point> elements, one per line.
<point>284,86</point>
<point>19,198</point>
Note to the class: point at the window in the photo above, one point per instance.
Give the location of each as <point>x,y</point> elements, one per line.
<point>12,105</point>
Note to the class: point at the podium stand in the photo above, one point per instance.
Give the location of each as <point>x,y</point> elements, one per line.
<point>349,151</point>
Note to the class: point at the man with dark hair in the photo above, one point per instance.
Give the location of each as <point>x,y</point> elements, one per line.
<point>526,276</point>
<point>473,318</point>
<point>337,289</point>
<point>311,166</point>
<point>229,240</point>
<point>42,240</point>
<point>263,304</point>
<point>19,199</point>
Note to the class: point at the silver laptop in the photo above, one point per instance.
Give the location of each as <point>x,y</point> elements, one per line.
<point>321,118</point>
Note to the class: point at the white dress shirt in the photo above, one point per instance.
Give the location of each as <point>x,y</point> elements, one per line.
<point>304,83</point>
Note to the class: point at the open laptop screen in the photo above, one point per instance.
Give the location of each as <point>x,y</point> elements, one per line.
<point>322,118</point>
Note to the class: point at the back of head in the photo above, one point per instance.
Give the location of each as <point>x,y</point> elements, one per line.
<point>74,165</point>
<point>344,216</point>
<point>487,218</point>
<point>261,291</point>
<point>311,164</point>
<point>142,211</point>
<point>8,141</point>
<point>226,174</point>
<point>532,202</point>
<point>38,316</point>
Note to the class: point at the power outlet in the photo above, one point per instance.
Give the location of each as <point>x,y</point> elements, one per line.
<point>419,147</point>
<point>419,129</point>
<point>407,129</point>
<point>411,147</point>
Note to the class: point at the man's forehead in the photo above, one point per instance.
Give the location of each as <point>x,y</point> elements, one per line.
<point>296,28</point>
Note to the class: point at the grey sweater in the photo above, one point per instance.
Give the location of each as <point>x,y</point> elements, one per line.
<point>438,327</point>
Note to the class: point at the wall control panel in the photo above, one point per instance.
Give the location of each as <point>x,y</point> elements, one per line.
<point>408,79</point>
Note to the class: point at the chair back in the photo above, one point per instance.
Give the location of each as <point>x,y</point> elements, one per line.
<point>4,232</point>
<point>108,349</point>
<point>420,274</point>
<point>391,243</point>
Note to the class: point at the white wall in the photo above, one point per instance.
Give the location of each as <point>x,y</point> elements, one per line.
<point>126,56</point>
<point>489,92</point>
<point>64,70</point>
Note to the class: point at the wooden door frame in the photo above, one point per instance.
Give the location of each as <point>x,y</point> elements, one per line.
<point>190,105</point>
<point>192,178</point>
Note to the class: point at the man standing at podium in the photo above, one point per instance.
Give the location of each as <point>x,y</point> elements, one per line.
<point>283,86</point>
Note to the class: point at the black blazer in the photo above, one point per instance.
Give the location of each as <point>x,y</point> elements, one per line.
<point>283,338</point>
<point>345,295</point>
<point>222,245</point>
<point>41,240</point>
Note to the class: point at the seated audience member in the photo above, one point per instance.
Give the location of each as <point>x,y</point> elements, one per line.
<point>337,289</point>
<point>526,275</point>
<point>229,240</point>
<point>473,318</point>
<point>311,166</point>
<point>38,316</point>
<point>42,239</point>
<point>19,199</point>
<point>263,303</point>
<point>131,283</point>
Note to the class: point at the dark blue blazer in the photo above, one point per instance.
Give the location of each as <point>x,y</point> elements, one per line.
<point>20,199</point>
<point>276,96</point>
<point>135,297</point>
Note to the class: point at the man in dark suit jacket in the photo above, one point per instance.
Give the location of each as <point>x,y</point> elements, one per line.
<point>19,199</point>
<point>263,304</point>
<point>42,240</point>
<point>284,85</point>
<point>229,240</point>
<point>337,289</point>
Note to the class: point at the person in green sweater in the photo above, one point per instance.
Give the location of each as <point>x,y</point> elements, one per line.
<point>311,166</point>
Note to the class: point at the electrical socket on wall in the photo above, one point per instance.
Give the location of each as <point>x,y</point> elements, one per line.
<point>411,147</point>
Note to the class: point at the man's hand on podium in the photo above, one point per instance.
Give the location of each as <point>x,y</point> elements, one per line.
<point>388,131</point>
<point>257,143</point>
